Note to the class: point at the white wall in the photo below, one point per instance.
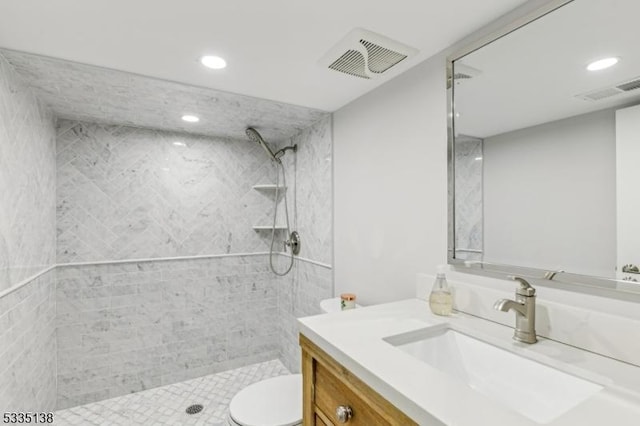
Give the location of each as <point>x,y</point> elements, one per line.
<point>550,196</point>
<point>390,185</point>
<point>390,207</point>
<point>628,196</point>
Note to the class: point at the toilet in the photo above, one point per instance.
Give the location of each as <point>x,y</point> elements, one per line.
<point>276,401</point>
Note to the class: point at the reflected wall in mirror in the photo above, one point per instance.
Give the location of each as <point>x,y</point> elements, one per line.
<point>546,151</point>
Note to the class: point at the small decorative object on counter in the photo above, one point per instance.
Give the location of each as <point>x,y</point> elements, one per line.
<point>440,299</point>
<point>347,301</point>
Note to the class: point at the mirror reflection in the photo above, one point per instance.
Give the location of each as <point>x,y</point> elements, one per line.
<point>546,125</point>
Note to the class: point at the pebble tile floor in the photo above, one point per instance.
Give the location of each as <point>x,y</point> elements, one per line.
<point>166,405</point>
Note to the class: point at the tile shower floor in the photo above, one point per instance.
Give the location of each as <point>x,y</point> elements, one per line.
<point>166,405</point>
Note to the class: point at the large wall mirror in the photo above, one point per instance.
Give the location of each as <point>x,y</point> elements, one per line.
<point>545,147</point>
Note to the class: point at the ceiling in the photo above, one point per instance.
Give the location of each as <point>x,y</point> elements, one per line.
<point>535,74</point>
<point>272,47</point>
<point>88,93</point>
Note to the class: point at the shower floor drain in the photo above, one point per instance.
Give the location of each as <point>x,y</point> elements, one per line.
<point>194,409</point>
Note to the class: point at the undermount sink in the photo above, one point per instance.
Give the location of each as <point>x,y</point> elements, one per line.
<point>536,391</point>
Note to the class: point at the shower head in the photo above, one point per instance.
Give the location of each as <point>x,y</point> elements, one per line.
<point>255,136</point>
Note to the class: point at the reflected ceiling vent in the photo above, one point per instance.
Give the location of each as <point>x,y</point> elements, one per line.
<point>464,72</point>
<point>608,92</point>
<point>365,54</point>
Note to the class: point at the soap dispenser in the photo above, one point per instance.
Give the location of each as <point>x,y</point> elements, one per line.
<point>440,299</point>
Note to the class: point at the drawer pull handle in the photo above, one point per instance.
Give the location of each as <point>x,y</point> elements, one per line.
<point>344,413</point>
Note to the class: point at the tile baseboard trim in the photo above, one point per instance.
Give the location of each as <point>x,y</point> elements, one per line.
<point>158,259</point>
<point>26,281</point>
<point>155,259</point>
<point>304,259</point>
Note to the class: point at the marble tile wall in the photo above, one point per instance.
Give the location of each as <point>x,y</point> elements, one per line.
<point>131,193</point>
<point>27,248</point>
<point>28,347</point>
<point>299,295</point>
<point>313,190</point>
<point>468,196</point>
<point>127,327</point>
<point>27,181</point>
<point>300,292</point>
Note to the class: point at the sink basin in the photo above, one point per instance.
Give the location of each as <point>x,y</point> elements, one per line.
<point>536,391</point>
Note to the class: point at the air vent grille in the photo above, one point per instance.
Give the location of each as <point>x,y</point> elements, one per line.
<point>352,63</point>
<point>381,59</point>
<point>618,89</point>
<point>632,85</point>
<point>601,94</point>
<point>365,54</point>
<point>461,76</point>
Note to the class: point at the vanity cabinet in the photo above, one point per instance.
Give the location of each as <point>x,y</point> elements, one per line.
<point>333,396</point>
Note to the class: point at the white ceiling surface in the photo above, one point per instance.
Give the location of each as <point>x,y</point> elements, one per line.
<point>88,93</point>
<point>272,47</point>
<point>532,76</point>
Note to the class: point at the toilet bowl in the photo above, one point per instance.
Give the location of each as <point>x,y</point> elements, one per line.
<point>276,401</point>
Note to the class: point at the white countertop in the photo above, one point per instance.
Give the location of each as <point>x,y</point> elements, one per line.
<point>430,397</point>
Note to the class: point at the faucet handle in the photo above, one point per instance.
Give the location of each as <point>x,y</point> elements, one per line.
<point>525,288</point>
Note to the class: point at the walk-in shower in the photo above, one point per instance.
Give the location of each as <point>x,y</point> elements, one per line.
<point>293,240</point>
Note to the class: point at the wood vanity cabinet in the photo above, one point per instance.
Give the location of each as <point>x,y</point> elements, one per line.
<point>333,396</point>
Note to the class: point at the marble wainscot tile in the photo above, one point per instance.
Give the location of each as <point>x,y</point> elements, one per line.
<point>134,326</point>
<point>28,346</point>
<point>299,295</point>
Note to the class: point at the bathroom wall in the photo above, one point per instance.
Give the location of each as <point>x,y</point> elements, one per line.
<point>310,281</point>
<point>299,295</point>
<point>407,116</point>
<point>564,194</point>
<point>131,193</point>
<point>27,248</point>
<point>28,347</point>
<point>127,193</point>
<point>127,327</point>
<point>27,181</point>
<point>390,174</point>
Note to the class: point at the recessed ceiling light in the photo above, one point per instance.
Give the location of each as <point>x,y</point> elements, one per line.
<point>602,64</point>
<point>190,118</point>
<point>213,62</point>
<point>178,143</point>
<point>478,158</point>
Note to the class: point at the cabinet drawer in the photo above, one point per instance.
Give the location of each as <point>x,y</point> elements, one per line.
<point>320,422</point>
<point>328,385</point>
<point>330,393</point>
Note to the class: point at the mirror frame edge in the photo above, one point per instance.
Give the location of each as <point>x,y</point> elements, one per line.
<point>598,286</point>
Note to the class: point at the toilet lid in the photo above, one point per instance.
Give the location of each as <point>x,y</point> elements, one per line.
<point>272,402</point>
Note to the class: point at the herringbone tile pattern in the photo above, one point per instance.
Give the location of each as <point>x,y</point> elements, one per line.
<point>126,193</point>
<point>27,181</point>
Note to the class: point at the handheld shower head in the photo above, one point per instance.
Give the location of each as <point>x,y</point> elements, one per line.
<point>256,137</point>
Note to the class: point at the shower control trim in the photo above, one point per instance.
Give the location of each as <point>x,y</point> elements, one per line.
<point>294,243</point>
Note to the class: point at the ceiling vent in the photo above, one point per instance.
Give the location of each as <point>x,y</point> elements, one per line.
<point>366,54</point>
<point>608,92</point>
<point>463,72</point>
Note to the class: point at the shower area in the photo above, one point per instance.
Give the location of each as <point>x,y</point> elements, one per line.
<point>145,260</point>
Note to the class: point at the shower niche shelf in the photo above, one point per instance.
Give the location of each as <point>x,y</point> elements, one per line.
<point>268,187</point>
<point>268,227</point>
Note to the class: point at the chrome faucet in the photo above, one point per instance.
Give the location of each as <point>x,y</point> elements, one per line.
<point>525,308</point>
